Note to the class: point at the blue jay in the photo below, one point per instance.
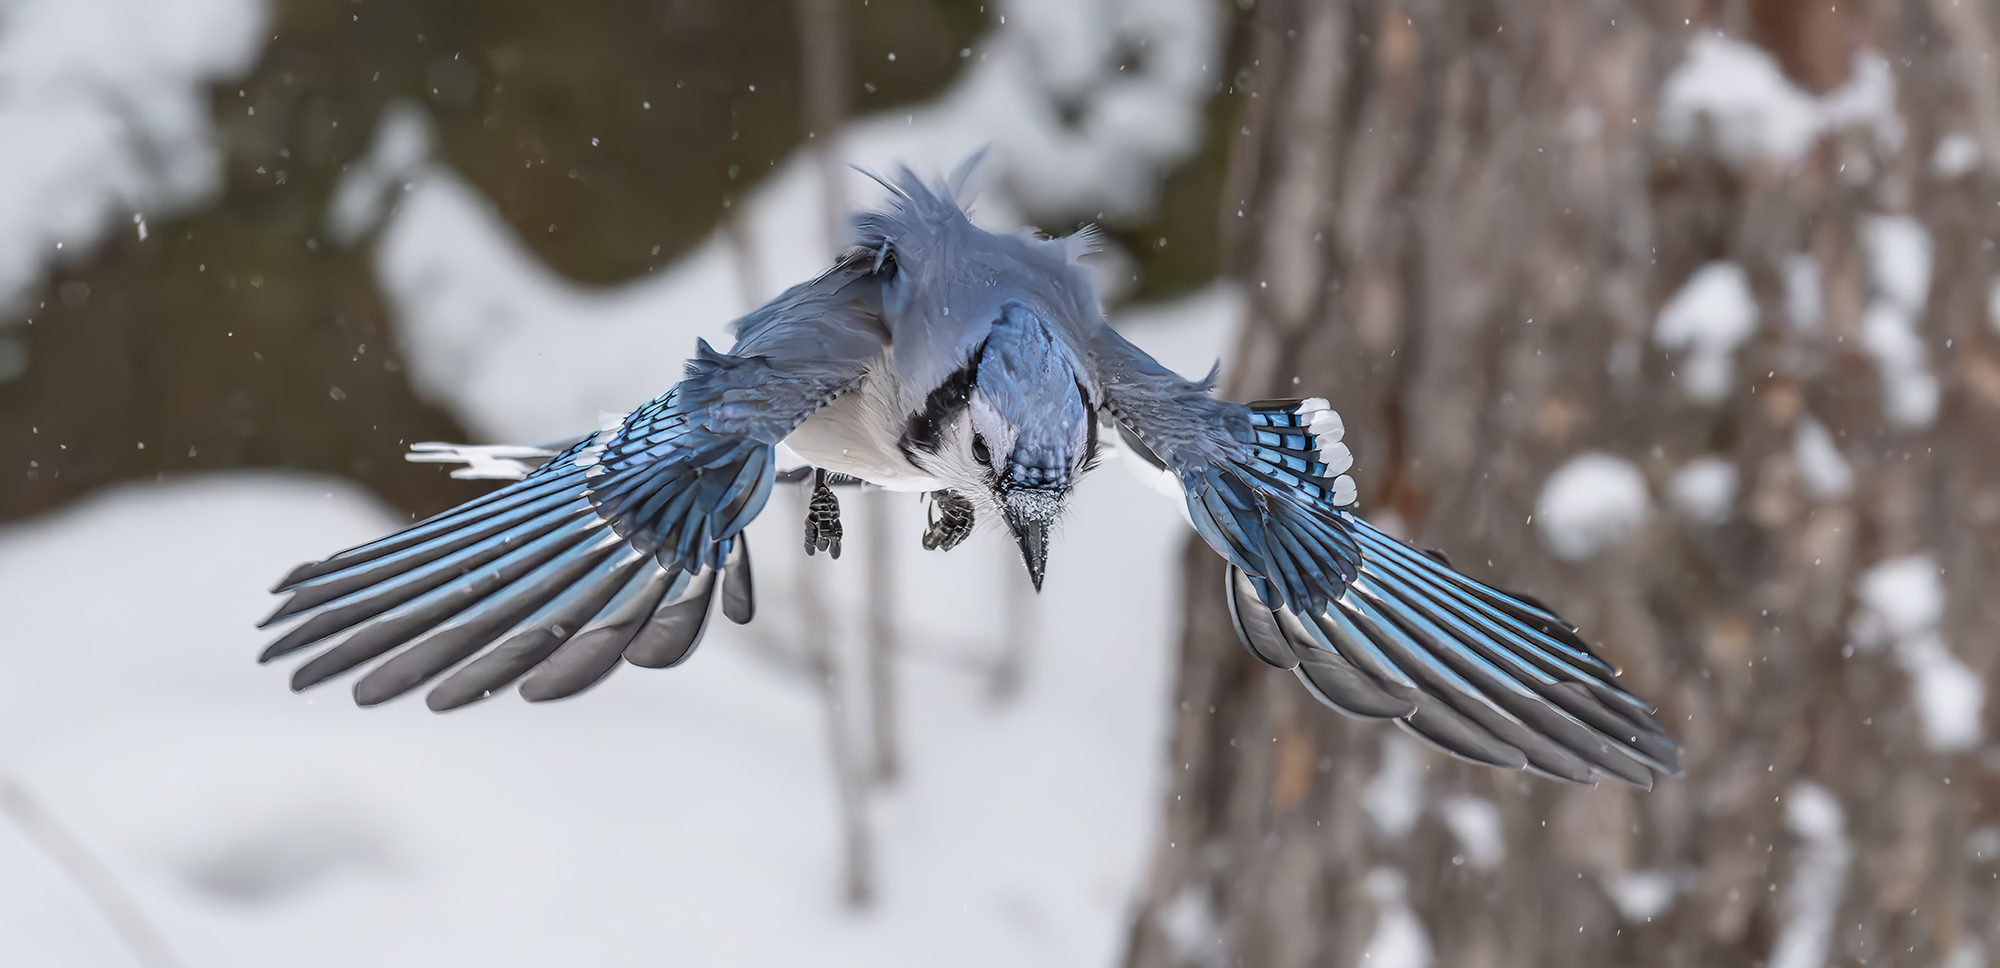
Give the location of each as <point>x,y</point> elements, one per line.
<point>936,357</point>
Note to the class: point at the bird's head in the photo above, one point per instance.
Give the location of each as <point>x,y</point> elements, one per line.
<point>1012,431</point>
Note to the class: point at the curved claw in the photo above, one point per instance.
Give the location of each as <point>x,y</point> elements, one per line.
<point>951,525</point>
<point>823,518</point>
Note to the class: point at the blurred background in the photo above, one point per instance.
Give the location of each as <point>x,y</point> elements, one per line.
<point>1681,316</point>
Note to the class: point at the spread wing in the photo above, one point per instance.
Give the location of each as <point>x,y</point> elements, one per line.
<point>614,548</point>
<point>1374,627</point>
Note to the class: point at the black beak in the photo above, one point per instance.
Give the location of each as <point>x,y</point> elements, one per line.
<point>1030,515</point>
<point>1034,539</point>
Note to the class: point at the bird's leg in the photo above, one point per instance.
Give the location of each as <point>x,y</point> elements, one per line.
<point>951,525</point>
<point>823,518</point>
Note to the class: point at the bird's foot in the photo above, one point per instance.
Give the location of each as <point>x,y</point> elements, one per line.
<point>952,523</point>
<point>823,518</point>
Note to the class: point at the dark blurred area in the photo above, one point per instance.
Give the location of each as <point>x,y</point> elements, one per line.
<point>611,136</point>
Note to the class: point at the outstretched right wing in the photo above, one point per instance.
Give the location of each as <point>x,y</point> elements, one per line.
<point>1374,627</point>
<point>612,549</point>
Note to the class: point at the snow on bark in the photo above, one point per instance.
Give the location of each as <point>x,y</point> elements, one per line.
<point>1475,822</point>
<point>1902,605</point>
<point>1400,940</point>
<point>1589,504</point>
<point>1755,111</point>
<point>1395,798</point>
<point>1827,475</point>
<point>1814,895</point>
<point>1899,273</point>
<point>1704,489</point>
<point>1706,320</point>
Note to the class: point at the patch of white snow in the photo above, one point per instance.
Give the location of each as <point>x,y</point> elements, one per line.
<point>1949,695</point>
<point>1826,474</point>
<point>1641,896</point>
<point>1757,112</point>
<point>1705,321</point>
<point>1814,815</point>
<point>1905,594</point>
<point>1741,89</point>
<point>1192,929</point>
<point>1867,101</point>
<point>1899,273</point>
<point>1589,504</point>
<point>1909,391</point>
<point>1899,258</point>
<point>1394,799</point>
<point>1902,601</point>
<point>1475,822</point>
<point>1704,489</point>
<point>369,185</point>
<point>517,352</point>
<point>1956,155</point>
<point>1400,940</point>
<point>106,117</point>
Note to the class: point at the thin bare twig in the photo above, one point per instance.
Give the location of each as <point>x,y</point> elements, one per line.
<point>816,637</point>
<point>90,875</point>
<point>882,637</point>
<point>856,839</point>
<point>823,64</point>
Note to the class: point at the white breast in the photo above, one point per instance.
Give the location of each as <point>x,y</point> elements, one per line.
<point>857,435</point>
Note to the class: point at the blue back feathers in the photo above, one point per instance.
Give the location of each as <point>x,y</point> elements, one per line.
<point>946,282</point>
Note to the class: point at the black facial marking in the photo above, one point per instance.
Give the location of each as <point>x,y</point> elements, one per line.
<point>943,403</point>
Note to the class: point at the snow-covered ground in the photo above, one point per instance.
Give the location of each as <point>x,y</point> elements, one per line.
<point>681,817</point>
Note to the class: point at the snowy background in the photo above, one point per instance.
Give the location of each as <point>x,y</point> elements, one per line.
<point>157,781</point>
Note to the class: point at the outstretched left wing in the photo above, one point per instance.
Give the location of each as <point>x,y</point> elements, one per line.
<point>611,549</point>
<point>1374,627</point>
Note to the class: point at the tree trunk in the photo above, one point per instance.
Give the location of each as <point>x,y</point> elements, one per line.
<point>1462,223</point>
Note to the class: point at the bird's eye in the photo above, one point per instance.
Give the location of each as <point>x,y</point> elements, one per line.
<point>980,452</point>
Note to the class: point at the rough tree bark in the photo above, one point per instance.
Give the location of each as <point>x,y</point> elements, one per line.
<point>1459,222</point>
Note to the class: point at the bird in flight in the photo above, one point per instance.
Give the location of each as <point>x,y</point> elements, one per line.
<point>977,368</point>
